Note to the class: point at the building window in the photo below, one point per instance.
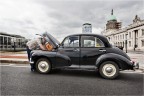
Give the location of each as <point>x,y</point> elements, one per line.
<point>129,34</point>
<point>142,43</point>
<point>9,41</point>
<point>5,40</point>
<point>123,36</point>
<point>129,43</point>
<point>142,32</point>
<point>1,40</point>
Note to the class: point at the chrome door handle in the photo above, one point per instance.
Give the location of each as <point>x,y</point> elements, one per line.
<point>102,50</point>
<point>76,50</point>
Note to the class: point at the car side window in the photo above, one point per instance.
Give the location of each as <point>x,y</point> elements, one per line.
<point>91,41</point>
<point>72,41</point>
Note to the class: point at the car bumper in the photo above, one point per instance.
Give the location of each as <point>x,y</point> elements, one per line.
<point>31,61</point>
<point>135,65</point>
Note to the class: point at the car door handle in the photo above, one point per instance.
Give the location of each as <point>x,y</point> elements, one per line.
<point>102,50</point>
<point>76,50</point>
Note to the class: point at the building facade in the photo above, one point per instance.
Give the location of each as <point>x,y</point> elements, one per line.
<point>12,42</point>
<point>130,37</point>
<point>87,28</point>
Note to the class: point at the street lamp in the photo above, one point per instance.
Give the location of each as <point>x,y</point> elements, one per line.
<point>126,41</point>
<point>14,41</point>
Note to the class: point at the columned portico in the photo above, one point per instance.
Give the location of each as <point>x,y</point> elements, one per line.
<point>130,37</point>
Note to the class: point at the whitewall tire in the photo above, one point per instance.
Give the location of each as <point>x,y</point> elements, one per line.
<point>43,66</point>
<point>109,70</point>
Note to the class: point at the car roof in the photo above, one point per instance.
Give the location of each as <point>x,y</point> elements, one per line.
<point>101,37</point>
<point>89,34</point>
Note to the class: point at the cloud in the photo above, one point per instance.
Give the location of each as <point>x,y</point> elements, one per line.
<point>63,17</point>
<point>23,17</point>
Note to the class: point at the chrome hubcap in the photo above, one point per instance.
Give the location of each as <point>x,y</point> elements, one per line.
<point>43,66</point>
<point>109,70</point>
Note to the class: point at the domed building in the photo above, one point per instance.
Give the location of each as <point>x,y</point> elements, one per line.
<point>129,38</point>
<point>112,23</point>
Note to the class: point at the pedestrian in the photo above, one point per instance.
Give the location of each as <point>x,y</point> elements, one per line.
<point>34,44</point>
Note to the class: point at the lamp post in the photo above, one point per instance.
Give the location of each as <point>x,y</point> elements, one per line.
<point>14,41</point>
<point>126,42</point>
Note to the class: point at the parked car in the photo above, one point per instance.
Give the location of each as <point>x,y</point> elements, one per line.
<point>83,51</point>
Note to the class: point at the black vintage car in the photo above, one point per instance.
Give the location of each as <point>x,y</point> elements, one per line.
<point>83,51</point>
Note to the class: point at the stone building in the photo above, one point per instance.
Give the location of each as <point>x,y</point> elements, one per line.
<point>11,41</point>
<point>130,37</point>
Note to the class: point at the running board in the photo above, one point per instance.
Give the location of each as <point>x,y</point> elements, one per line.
<point>86,67</point>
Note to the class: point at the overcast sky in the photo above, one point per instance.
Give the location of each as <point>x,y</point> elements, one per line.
<point>64,17</point>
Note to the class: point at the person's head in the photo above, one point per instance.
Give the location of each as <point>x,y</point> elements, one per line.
<point>44,34</point>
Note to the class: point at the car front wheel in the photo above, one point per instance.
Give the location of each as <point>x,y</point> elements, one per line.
<point>109,70</point>
<point>43,66</point>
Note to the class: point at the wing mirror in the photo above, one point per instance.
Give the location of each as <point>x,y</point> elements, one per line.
<point>62,45</point>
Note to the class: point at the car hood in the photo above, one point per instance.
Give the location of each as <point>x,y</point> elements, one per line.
<point>52,40</point>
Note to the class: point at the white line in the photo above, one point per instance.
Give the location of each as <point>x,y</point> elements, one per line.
<point>11,64</point>
<point>20,66</point>
<point>137,71</point>
<point>14,65</point>
<point>4,65</point>
<point>14,59</point>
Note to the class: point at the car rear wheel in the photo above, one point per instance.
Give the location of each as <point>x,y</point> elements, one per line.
<point>43,66</point>
<point>109,70</point>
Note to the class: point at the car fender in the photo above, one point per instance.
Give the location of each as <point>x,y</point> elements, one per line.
<point>36,54</point>
<point>55,58</point>
<point>122,61</point>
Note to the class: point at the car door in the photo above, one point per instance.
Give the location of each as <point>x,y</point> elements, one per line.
<point>91,48</point>
<point>70,47</point>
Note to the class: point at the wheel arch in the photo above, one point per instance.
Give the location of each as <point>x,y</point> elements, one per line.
<point>40,57</point>
<point>105,60</point>
<point>121,61</point>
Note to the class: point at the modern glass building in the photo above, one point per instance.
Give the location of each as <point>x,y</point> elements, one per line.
<point>86,28</point>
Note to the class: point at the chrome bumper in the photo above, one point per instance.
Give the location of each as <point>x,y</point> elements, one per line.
<point>136,66</point>
<point>31,61</point>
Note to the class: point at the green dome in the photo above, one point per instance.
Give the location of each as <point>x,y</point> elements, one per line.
<point>112,17</point>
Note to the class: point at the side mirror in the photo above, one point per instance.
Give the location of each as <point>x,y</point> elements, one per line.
<point>62,45</point>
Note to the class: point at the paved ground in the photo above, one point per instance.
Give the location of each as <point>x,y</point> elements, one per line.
<point>14,57</point>
<point>18,80</point>
<point>137,58</point>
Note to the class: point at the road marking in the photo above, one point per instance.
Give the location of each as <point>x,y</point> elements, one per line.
<point>11,64</point>
<point>14,65</point>
<point>4,65</point>
<point>20,66</point>
<point>131,71</point>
